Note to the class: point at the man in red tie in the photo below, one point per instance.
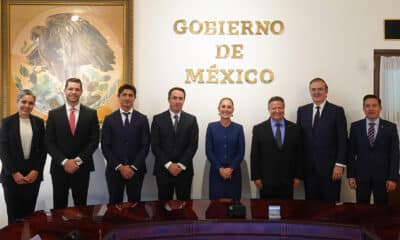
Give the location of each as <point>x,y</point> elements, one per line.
<point>373,163</point>
<point>72,135</point>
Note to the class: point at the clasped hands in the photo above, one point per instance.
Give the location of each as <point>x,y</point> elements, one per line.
<point>174,169</point>
<point>29,178</point>
<point>71,165</point>
<point>226,173</point>
<point>126,171</point>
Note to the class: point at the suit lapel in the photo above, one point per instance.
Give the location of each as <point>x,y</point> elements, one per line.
<point>324,113</point>
<point>62,112</point>
<point>363,129</point>
<point>181,122</point>
<point>168,121</point>
<point>118,119</point>
<point>380,130</point>
<point>309,116</point>
<point>18,135</point>
<point>131,122</point>
<point>34,133</point>
<point>80,118</point>
<point>288,130</point>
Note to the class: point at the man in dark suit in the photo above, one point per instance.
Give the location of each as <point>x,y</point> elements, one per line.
<point>174,139</point>
<point>72,135</point>
<point>373,154</point>
<point>276,154</point>
<point>325,144</point>
<point>125,142</point>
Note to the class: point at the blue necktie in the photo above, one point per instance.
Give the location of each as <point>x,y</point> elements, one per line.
<point>278,135</point>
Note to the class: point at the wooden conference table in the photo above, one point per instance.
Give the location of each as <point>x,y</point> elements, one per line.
<point>206,219</point>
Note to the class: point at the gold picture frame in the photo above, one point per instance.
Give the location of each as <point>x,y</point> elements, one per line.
<point>44,42</point>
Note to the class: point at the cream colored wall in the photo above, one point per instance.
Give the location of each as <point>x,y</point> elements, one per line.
<point>331,39</point>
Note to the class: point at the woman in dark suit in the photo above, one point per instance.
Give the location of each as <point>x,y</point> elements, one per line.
<point>225,150</point>
<point>23,155</point>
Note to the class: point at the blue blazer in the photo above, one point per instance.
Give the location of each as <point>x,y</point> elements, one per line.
<point>225,146</point>
<point>168,146</point>
<point>127,146</point>
<point>380,162</point>
<point>329,145</point>
<point>11,152</point>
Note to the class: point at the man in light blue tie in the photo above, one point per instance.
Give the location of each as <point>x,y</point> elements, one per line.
<point>373,161</point>
<point>276,154</point>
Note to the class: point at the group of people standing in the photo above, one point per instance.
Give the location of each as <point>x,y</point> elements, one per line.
<point>316,149</point>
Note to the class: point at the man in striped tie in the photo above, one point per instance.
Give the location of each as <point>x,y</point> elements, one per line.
<point>373,162</point>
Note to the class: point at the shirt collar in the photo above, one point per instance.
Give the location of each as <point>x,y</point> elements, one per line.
<point>172,114</point>
<point>122,111</point>
<point>282,122</point>
<point>370,121</point>
<point>321,106</point>
<point>77,107</point>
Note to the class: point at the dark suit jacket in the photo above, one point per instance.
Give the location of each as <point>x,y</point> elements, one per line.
<point>61,144</point>
<point>168,146</point>
<point>11,152</point>
<point>127,146</point>
<point>271,164</point>
<point>380,162</point>
<point>329,145</point>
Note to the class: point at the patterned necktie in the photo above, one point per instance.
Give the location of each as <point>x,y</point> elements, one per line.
<point>371,133</point>
<point>72,120</point>
<point>126,121</point>
<point>278,135</point>
<point>176,120</point>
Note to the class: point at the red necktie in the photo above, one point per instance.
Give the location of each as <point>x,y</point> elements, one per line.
<point>72,120</point>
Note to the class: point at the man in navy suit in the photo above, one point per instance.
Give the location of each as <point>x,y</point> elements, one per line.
<point>125,142</point>
<point>72,135</point>
<point>373,154</point>
<point>174,140</point>
<point>325,144</point>
<point>276,154</point>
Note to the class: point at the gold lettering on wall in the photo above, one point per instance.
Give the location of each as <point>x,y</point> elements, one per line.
<point>215,75</point>
<point>232,27</point>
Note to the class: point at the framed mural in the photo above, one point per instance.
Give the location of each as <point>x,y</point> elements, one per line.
<point>46,42</point>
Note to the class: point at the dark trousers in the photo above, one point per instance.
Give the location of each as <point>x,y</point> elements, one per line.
<point>282,191</point>
<point>78,182</point>
<point>377,188</point>
<point>167,184</point>
<point>117,184</point>
<point>20,199</point>
<point>322,188</point>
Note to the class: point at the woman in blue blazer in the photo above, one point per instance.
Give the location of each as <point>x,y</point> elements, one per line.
<point>23,154</point>
<point>225,150</point>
